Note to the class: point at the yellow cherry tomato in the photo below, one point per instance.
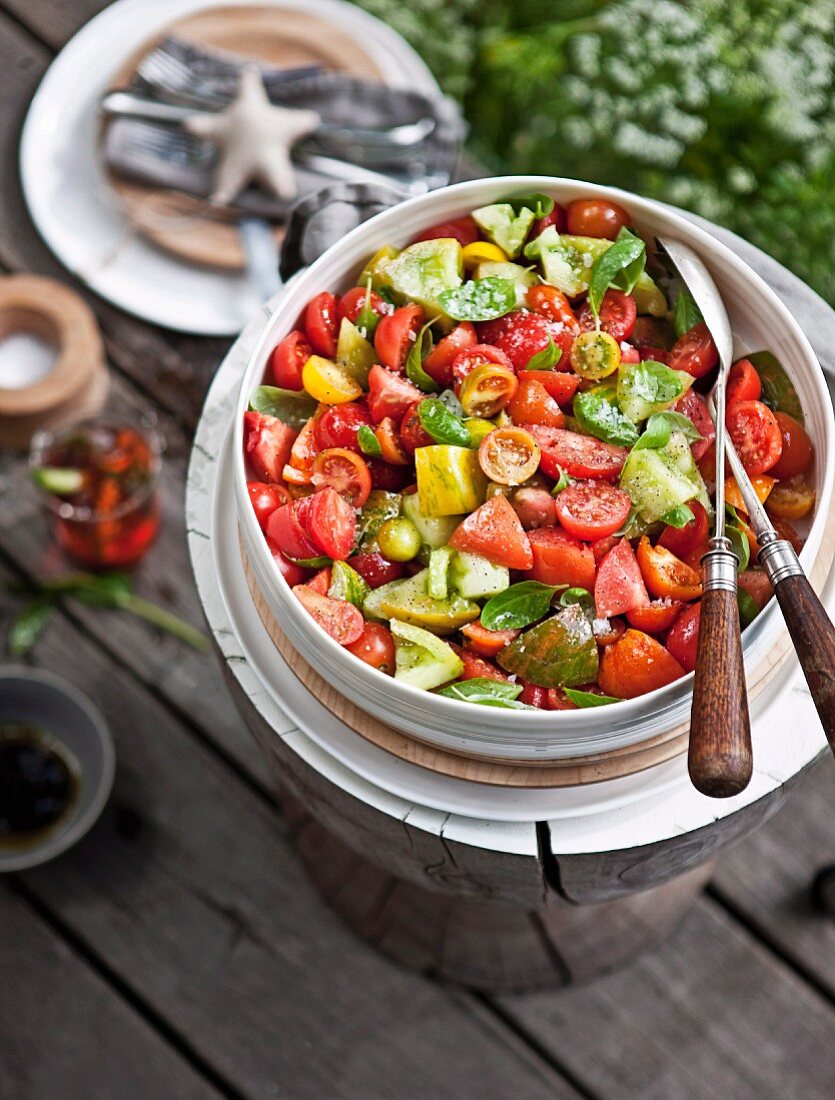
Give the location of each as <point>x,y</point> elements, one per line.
<point>595,354</point>
<point>791,499</point>
<point>763,484</point>
<point>487,389</point>
<point>509,456</point>
<point>480,252</point>
<point>329,382</point>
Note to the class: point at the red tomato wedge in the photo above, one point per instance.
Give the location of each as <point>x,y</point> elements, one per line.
<point>636,664</point>
<point>338,618</point>
<point>683,639</point>
<point>412,432</point>
<point>494,531</point>
<point>694,352</point>
<point>743,383</point>
<point>553,304</point>
<point>352,304</point>
<point>321,323</point>
<point>476,667</point>
<point>592,510</point>
<point>559,384</point>
<point>339,424</point>
<point>344,471</point>
<point>559,558</point>
<point>579,455</point>
<point>656,617</point>
<point>757,585</point>
<point>618,314</point>
<point>321,581</point>
<point>438,363</point>
<point>288,534</point>
<point>756,434</point>
<point>389,394</point>
<point>375,569</point>
<point>694,407</point>
<point>484,642</point>
<point>665,575</point>
<point>287,360</point>
<point>265,499</point>
<point>268,442</point>
<point>375,646</point>
<point>619,586</point>
<point>331,523</point>
<point>532,404</point>
<point>797,448</point>
<point>682,541</point>
<point>522,334</point>
<point>396,334</point>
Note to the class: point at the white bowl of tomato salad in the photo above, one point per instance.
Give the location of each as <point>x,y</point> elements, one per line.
<point>474,464</point>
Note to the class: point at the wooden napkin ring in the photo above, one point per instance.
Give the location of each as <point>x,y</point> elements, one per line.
<point>76,386</point>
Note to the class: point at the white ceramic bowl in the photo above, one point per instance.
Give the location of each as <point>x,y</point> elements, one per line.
<point>760,321</point>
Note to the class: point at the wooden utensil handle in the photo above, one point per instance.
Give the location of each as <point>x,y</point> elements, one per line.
<point>813,635</point>
<point>719,759</point>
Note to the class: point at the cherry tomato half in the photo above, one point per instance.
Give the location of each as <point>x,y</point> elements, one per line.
<point>618,314</point>
<point>684,540</point>
<point>375,646</point>
<point>792,499</point>
<point>339,424</point>
<point>665,575</point>
<point>487,390</point>
<point>330,521</point>
<point>694,352</point>
<point>595,218</point>
<point>352,304</point>
<point>338,618</point>
<point>797,448</point>
<point>438,363</point>
<point>656,617</point>
<point>694,407</point>
<point>412,432</point>
<point>532,404</point>
<point>683,639</point>
<point>396,334</point>
<point>553,304</point>
<point>345,471</point>
<point>265,499</point>
<point>743,383</point>
<point>388,436</point>
<point>580,456</point>
<point>592,510</point>
<point>287,360</point>
<point>508,456</point>
<point>477,355</point>
<point>321,323</point>
<point>756,435</point>
<point>595,355</point>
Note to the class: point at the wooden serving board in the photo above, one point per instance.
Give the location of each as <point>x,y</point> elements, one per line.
<point>569,772</point>
<point>177,222</point>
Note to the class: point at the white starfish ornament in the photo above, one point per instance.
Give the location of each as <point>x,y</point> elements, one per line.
<point>254,138</point>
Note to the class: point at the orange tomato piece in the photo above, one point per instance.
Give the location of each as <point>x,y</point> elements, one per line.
<point>388,437</point>
<point>665,575</point>
<point>636,664</point>
<point>763,484</point>
<point>791,499</point>
<point>484,642</point>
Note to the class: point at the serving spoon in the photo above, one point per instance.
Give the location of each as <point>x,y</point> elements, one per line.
<point>809,626</point>
<point>719,759</point>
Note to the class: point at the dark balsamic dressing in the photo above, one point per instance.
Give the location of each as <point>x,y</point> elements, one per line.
<point>38,784</point>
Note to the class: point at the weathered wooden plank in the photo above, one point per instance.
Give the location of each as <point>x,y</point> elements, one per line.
<point>766,879</point>
<point>712,1013</point>
<point>66,1034</point>
<point>54,21</point>
<point>200,907</point>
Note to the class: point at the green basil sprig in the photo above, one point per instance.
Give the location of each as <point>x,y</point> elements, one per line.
<point>622,264</point>
<point>519,606</point>
<point>444,426</point>
<point>678,517</point>
<point>538,203</point>
<point>490,693</point>
<point>293,407</point>
<point>563,481</point>
<point>661,426</point>
<point>739,540</point>
<point>687,314</point>
<point>589,698</point>
<point>414,361</point>
<point>480,299</point>
<point>545,359</point>
<point>369,444</point>
<point>602,418</point>
<point>748,610</point>
<point>580,596</point>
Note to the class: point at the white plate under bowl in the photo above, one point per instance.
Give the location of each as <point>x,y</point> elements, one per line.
<point>760,320</point>
<point>66,187</point>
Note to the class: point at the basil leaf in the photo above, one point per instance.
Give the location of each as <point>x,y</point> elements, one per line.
<point>580,596</point>
<point>444,426</point>
<point>589,698</point>
<point>29,624</point>
<point>624,256</point>
<point>562,482</point>
<point>678,517</point>
<point>739,540</point>
<point>748,610</point>
<point>661,426</point>
<point>368,441</point>
<point>602,418</point>
<point>292,407</point>
<point>540,204</point>
<point>310,563</point>
<point>687,313</point>
<point>518,606</point>
<point>414,361</point>
<point>387,294</point>
<point>482,685</point>
<point>545,359</point>
<point>648,387</point>
<point>480,299</point>
<point>778,389</point>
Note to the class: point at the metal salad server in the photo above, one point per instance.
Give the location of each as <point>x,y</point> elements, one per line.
<point>720,758</point>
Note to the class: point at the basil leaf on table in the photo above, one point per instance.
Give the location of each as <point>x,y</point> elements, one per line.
<point>661,426</point>
<point>414,361</point>
<point>480,299</point>
<point>29,624</point>
<point>518,606</point>
<point>601,418</point>
<point>546,358</point>
<point>292,407</point>
<point>624,258</point>
<point>538,203</point>
<point>748,610</point>
<point>369,444</point>
<point>678,517</point>
<point>444,426</point>
<point>687,314</point>
<point>589,698</point>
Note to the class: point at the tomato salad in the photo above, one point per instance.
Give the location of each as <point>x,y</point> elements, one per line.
<point>487,469</point>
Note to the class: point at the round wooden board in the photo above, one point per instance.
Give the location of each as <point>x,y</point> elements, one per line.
<point>570,772</point>
<point>176,221</point>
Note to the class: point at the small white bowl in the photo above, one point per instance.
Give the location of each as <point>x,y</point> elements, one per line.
<point>760,321</point>
<point>65,714</point>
